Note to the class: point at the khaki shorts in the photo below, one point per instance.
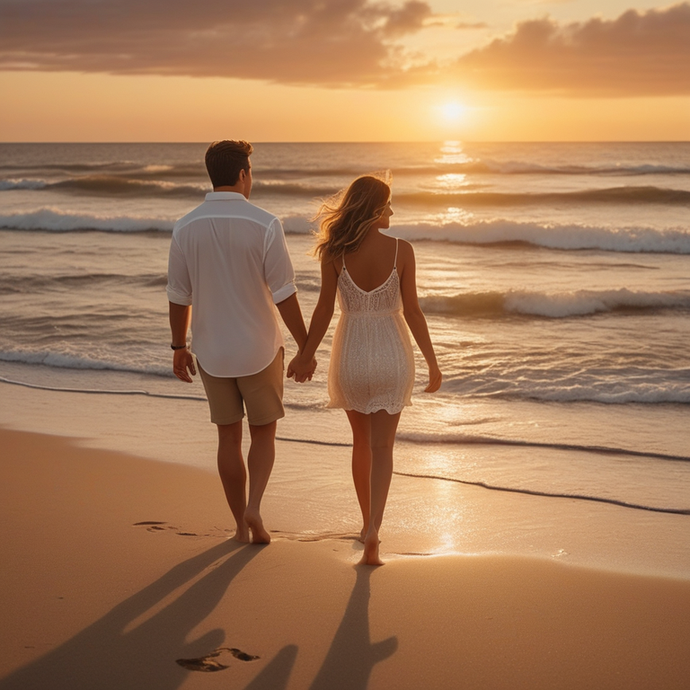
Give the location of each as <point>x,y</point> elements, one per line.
<point>261,394</point>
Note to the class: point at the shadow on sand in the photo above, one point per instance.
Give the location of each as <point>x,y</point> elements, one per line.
<point>352,656</point>
<point>276,675</point>
<point>139,641</point>
<point>115,653</point>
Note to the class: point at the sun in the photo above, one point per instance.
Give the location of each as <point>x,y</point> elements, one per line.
<point>452,112</point>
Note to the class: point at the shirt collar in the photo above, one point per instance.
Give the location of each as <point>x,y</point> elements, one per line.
<point>223,196</point>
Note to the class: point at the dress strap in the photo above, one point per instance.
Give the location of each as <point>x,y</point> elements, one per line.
<point>395,261</point>
<point>343,259</point>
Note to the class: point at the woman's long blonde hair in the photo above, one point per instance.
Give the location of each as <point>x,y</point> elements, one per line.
<point>346,218</point>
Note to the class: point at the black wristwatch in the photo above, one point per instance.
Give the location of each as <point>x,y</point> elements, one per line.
<point>178,347</point>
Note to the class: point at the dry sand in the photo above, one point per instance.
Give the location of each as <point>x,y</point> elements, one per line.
<point>115,568</point>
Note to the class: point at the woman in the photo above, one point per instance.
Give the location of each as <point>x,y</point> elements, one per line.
<point>371,372</point>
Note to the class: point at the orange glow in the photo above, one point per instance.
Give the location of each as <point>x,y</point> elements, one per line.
<point>367,71</point>
<point>79,107</point>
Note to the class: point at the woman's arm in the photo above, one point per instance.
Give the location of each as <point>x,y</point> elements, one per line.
<point>300,366</point>
<point>414,316</point>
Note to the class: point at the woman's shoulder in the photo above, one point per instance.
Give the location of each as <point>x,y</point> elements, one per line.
<point>405,250</point>
<point>386,247</point>
<point>332,263</point>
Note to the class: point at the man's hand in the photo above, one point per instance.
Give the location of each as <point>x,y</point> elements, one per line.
<point>300,370</point>
<point>183,365</point>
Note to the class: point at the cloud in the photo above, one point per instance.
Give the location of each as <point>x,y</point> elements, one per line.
<point>345,43</point>
<point>323,42</point>
<point>472,25</point>
<point>637,54</point>
<point>408,19</point>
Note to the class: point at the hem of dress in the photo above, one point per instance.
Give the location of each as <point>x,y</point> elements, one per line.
<point>369,410</point>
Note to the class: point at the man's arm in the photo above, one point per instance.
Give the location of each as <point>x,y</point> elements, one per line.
<point>291,314</point>
<point>183,361</point>
<point>299,367</point>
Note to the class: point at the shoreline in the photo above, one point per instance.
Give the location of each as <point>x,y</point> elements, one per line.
<point>93,599</point>
<point>310,493</point>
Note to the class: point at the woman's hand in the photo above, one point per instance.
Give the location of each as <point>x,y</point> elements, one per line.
<point>435,378</point>
<point>300,370</point>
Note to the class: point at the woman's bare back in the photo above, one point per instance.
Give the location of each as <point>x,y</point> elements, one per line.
<point>370,265</point>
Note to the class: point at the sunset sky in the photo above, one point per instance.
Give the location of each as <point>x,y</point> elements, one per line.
<point>344,70</point>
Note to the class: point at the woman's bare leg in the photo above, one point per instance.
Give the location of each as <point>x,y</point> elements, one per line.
<point>383,428</point>
<point>361,463</point>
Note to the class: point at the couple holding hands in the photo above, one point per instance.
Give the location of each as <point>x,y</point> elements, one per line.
<point>229,265</point>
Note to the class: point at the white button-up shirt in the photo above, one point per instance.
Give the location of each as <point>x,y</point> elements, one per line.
<point>229,260</point>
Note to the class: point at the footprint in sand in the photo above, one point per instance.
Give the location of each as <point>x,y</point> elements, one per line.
<point>157,526</point>
<point>215,660</point>
<point>322,536</point>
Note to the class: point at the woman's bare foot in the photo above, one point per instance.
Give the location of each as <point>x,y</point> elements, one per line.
<point>371,549</point>
<point>362,535</point>
<point>256,525</point>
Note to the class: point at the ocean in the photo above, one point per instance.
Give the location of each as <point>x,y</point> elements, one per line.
<point>554,278</point>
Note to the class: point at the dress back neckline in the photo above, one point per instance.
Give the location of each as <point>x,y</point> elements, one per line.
<point>385,282</point>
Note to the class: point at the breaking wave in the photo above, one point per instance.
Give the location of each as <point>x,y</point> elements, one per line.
<point>555,305</point>
<point>552,236</point>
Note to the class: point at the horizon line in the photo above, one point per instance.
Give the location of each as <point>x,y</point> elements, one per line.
<point>384,141</point>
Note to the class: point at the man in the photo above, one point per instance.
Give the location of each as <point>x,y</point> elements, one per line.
<point>228,266</point>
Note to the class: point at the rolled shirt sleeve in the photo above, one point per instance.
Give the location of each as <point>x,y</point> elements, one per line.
<point>179,283</point>
<point>279,272</point>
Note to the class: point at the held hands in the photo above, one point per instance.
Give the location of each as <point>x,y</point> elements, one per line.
<point>435,378</point>
<point>183,365</point>
<point>300,369</point>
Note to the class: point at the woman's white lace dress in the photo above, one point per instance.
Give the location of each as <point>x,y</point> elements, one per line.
<point>372,363</point>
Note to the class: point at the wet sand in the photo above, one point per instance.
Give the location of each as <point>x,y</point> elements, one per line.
<point>118,573</point>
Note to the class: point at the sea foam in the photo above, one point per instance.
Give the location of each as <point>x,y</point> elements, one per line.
<point>555,305</point>
<point>552,236</point>
<point>612,388</point>
<point>63,360</point>
<point>483,233</point>
<point>53,220</point>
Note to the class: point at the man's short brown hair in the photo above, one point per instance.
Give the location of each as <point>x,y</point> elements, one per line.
<point>225,159</point>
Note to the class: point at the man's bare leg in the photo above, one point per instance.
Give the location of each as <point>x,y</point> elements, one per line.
<point>233,474</point>
<point>262,452</point>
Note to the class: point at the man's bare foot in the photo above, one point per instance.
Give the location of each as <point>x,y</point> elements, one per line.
<point>256,525</point>
<point>371,550</point>
<point>242,534</point>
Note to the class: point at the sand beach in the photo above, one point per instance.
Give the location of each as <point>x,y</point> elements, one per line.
<point>118,573</point>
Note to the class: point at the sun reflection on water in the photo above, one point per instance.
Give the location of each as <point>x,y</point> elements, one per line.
<point>452,153</point>
<point>451,181</point>
<point>453,214</point>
